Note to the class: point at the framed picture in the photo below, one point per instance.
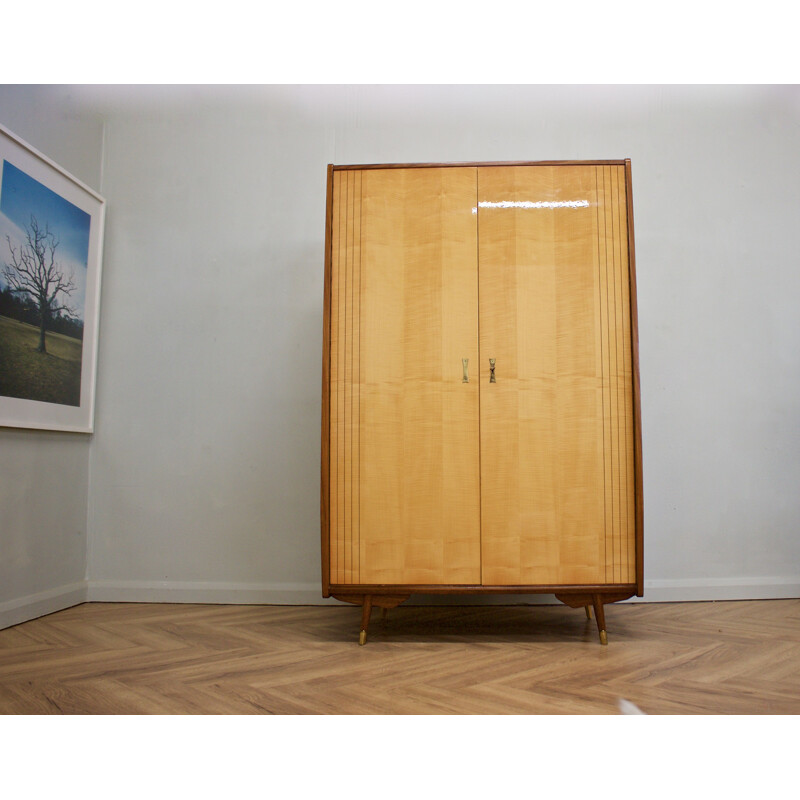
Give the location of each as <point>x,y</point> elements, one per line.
<point>51,241</point>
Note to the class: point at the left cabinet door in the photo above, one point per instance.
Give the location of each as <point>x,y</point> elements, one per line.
<point>404,474</point>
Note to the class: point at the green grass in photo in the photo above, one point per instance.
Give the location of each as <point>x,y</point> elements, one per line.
<point>51,377</point>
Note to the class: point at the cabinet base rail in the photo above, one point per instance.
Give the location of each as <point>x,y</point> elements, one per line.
<point>591,598</point>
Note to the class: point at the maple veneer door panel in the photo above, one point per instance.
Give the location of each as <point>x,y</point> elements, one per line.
<point>547,424</point>
<point>408,478</point>
<point>617,374</point>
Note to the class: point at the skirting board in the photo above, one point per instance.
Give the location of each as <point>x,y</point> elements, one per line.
<point>303,594</point>
<point>23,609</point>
<point>14,612</point>
<point>221,593</point>
<point>689,589</point>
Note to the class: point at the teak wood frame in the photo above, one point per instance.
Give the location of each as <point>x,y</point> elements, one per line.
<point>387,596</point>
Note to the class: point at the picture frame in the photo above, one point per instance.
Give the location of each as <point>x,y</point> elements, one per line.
<point>51,247</point>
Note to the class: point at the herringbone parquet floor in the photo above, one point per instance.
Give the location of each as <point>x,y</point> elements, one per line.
<point>739,657</point>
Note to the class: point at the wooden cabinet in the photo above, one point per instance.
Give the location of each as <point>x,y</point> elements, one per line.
<point>480,402</point>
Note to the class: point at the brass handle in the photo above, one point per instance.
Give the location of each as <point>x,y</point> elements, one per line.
<point>465,365</point>
<point>491,368</point>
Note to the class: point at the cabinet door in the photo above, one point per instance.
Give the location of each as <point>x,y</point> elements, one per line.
<point>557,426</point>
<point>404,444</point>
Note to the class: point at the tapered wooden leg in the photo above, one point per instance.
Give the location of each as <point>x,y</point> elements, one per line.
<point>366,602</point>
<point>588,612</point>
<point>366,610</point>
<point>597,602</point>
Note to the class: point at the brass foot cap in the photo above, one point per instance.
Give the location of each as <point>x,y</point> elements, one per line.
<point>603,637</point>
<point>362,638</point>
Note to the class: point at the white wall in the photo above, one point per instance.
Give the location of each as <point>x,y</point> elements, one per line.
<point>206,456</point>
<point>44,477</point>
<point>204,468</point>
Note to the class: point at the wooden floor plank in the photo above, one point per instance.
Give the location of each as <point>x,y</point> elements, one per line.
<point>736,657</point>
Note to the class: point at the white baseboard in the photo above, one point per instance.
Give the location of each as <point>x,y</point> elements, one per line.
<point>691,589</point>
<point>22,609</point>
<point>212,592</point>
<point>13,612</point>
<point>656,591</point>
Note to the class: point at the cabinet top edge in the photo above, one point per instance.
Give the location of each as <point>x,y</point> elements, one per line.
<point>423,165</point>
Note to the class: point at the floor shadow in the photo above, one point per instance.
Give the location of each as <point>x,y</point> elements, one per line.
<point>458,624</point>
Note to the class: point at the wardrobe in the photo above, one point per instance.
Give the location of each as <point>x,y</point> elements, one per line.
<point>481,424</point>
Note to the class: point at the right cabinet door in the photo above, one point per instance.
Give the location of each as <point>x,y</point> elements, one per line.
<point>556,423</point>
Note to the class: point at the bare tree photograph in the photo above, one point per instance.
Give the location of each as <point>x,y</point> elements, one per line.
<point>34,274</point>
<point>46,256</point>
<point>42,283</point>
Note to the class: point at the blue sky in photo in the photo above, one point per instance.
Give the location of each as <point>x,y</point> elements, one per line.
<point>21,196</point>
